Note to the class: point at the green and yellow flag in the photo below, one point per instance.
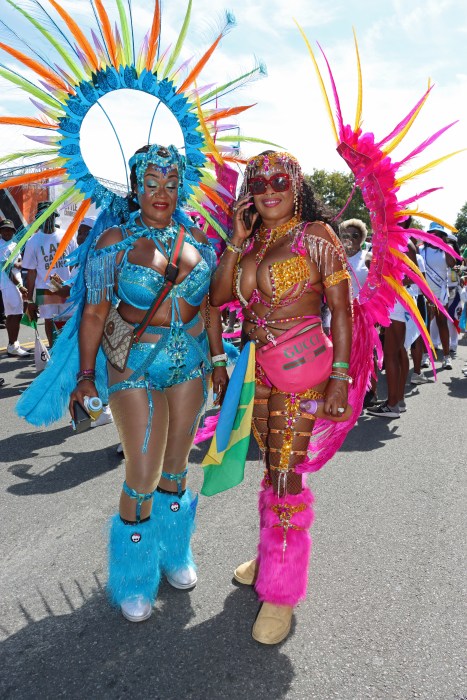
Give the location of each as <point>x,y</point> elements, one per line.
<point>224,464</point>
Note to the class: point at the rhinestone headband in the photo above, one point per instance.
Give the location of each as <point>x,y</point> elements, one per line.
<point>273,161</point>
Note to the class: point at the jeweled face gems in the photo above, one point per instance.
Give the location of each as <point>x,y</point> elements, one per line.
<point>163,159</point>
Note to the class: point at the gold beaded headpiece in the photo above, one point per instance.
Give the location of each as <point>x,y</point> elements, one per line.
<point>276,160</point>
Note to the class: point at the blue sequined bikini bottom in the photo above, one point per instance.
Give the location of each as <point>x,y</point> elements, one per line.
<point>175,358</point>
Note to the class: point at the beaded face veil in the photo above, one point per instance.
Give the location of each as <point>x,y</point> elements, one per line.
<point>272,162</point>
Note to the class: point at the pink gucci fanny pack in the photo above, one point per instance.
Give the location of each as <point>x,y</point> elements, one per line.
<point>300,359</point>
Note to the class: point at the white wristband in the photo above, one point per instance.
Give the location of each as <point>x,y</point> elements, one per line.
<point>219,358</point>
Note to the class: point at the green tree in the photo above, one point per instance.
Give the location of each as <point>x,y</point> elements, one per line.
<point>461,226</point>
<point>334,189</point>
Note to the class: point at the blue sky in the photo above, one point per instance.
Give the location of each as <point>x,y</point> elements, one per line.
<point>402,44</point>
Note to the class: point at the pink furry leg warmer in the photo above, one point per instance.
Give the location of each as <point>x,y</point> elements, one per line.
<point>284,546</point>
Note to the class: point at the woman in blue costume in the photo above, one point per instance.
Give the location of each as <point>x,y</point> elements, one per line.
<point>157,400</point>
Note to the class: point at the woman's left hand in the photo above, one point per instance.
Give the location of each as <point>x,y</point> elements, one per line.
<point>220,379</point>
<point>335,397</point>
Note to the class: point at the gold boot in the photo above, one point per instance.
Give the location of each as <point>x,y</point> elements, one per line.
<point>272,624</point>
<point>247,573</point>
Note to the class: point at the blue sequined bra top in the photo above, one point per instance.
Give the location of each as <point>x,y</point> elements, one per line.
<point>137,285</point>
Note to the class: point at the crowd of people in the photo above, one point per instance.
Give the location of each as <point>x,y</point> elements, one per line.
<point>401,340</point>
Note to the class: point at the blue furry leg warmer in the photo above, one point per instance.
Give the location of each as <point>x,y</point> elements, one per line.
<point>133,560</point>
<point>175,518</point>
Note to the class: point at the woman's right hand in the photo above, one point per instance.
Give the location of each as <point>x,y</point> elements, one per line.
<point>240,230</point>
<point>81,390</point>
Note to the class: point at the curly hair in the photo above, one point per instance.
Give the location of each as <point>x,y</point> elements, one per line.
<point>313,209</point>
<point>354,223</point>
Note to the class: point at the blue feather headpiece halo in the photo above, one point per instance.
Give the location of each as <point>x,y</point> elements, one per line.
<point>88,94</point>
<point>93,63</point>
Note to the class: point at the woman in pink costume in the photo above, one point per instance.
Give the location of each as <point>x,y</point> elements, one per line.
<point>280,261</point>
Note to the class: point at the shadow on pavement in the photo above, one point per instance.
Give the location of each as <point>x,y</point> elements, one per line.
<point>69,470</point>
<point>9,390</point>
<point>26,444</point>
<point>18,374</point>
<point>93,652</point>
<point>457,387</point>
<point>370,433</point>
<point>72,470</point>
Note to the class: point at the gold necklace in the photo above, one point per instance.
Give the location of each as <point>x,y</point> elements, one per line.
<point>268,236</point>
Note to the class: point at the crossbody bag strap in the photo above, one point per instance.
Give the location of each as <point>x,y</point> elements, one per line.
<point>170,275</point>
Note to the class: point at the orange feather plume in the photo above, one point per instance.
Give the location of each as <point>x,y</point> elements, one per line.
<point>236,159</point>
<point>107,32</point>
<point>194,73</point>
<point>71,230</point>
<point>28,121</point>
<point>38,68</point>
<point>32,177</point>
<point>154,36</point>
<point>223,113</point>
<point>209,192</point>
<point>78,34</point>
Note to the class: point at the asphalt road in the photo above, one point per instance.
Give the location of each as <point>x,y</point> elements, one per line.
<point>385,616</point>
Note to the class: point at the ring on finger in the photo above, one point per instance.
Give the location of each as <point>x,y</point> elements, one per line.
<point>340,409</point>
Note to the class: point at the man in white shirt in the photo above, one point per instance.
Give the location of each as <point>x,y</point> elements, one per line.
<point>38,255</point>
<point>13,292</point>
<point>353,233</point>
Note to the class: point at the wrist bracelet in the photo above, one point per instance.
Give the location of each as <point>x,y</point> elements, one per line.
<point>342,378</point>
<point>344,365</point>
<point>86,374</point>
<point>221,363</point>
<point>86,379</point>
<point>218,358</point>
<point>234,248</point>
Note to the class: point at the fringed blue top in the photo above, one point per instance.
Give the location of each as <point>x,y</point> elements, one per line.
<point>137,285</point>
